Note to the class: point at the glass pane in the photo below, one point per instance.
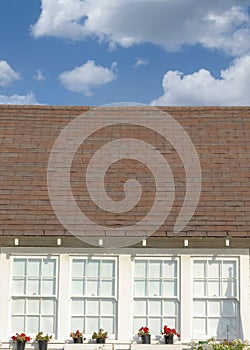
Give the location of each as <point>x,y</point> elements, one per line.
<point>18,306</point>
<point>92,287</point>
<point>154,269</point>
<point>169,288</point>
<point>77,287</point>
<point>107,307</point>
<point>32,324</point>
<point>155,325</point>
<point>228,308</point>
<point>33,267</point>
<point>138,323</point>
<point>213,289</point>
<point>107,288</point>
<point>154,308</point>
<point>140,268</point>
<point>47,324</point>
<point>18,286</point>
<point>154,287</point>
<point>140,308</point>
<point>170,308</point>
<point>17,323</point>
<point>171,322</point>
<point>48,307</point>
<point>213,326</point>
<point>93,268</point>
<point>48,287</point>
<point>214,308</point>
<point>213,269</point>
<point>78,268</point>
<point>33,287</point>
<point>170,269</point>
<point>229,288</point>
<point>199,269</point>
<point>199,288</point>
<point>77,323</point>
<point>77,307</point>
<point>92,307</point>
<point>199,327</point>
<point>33,306</point>
<point>107,323</point>
<point>108,268</point>
<point>49,267</point>
<point>229,269</point>
<point>140,288</point>
<point>92,324</point>
<point>19,266</point>
<point>199,308</point>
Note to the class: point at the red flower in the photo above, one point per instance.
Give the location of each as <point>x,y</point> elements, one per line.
<point>170,331</point>
<point>143,330</point>
<point>20,337</point>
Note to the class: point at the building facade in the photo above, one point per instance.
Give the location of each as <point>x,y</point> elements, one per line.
<point>195,280</point>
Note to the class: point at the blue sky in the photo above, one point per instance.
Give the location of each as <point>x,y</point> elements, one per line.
<point>95,52</point>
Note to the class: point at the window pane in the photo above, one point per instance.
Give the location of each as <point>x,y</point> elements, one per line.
<point>140,269</point>
<point>229,269</point>
<point>77,287</point>
<point>154,269</point>
<point>19,266</point>
<point>49,267</point>
<point>229,288</point>
<point>199,308</point>
<point>18,286</point>
<point>213,288</point>
<point>33,286</point>
<point>140,308</point>
<point>154,307</point>
<point>213,269</point>
<point>32,324</point>
<point>170,269</point>
<point>48,287</point>
<point>92,307</point>
<point>155,324</point>
<point>140,288</point>
<point>138,322</point>
<point>107,288</point>
<point>33,306</point>
<point>199,326</point>
<point>199,269</point>
<point>18,306</point>
<point>92,287</point>
<point>170,308</point>
<point>78,268</point>
<point>77,323</point>
<point>48,307</point>
<point>33,268</point>
<point>228,308</point>
<point>213,326</point>
<point>93,268</point>
<point>107,323</point>
<point>199,289</point>
<point>17,323</point>
<point>154,288</point>
<point>92,323</point>
<point>77,307</point>
<point>47,324</point>
<point>169,288</point>
<point>107,307</point>
<point>107,268</point>
<point>214,308</point>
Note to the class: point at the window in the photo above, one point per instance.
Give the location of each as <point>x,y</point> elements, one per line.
<point>215,298</point>
<point>93,302</point>
<point>156,294</point>
<point>34,296</point>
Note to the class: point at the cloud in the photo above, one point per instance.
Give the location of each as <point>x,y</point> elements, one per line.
<point>87,77</point>
<point>39,75</point>
<point>201,88</point>
<point>170,24</point>
<point>141,62</point>
<point>29,99</point>
<point>7,74</point>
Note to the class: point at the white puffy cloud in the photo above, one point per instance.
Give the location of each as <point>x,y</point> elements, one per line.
<point>29,99</point>
<point>88,76</point>
<point>7,74</point>
<point>215,24</point>
<point>201,88</point>
<point>141,62</point>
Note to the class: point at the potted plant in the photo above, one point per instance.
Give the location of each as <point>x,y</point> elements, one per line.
<point>20,340</point>
<point>77,336</point>
<point>43,340</point>
<point>101,336</point>
<point>144,333</point>
<point>169,334</point>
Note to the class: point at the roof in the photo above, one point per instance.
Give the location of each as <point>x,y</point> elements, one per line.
<point>220,135</point>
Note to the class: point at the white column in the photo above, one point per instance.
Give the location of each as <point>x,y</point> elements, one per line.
<point>244,296</point>
<point>186,299</point>
<point>5,331</point>
<point>63,315</point>
<point>125,319</point>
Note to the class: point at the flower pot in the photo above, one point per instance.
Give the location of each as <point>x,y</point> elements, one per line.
<point>169,339</point>
<point>145,339</point>
<point>77,340</point>
<point>100,340</point>
<point>42,344</point>
<point>20,345</point>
